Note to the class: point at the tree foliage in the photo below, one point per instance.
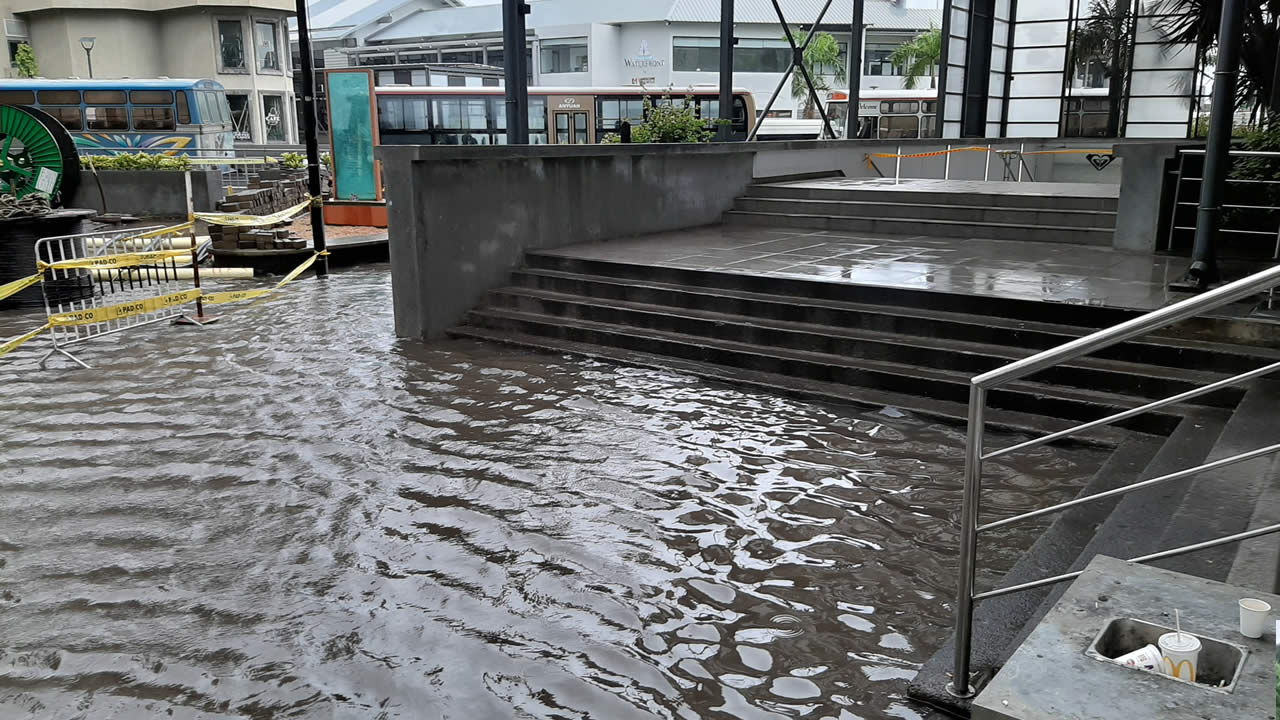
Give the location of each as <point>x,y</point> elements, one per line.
<point>25,59</point>
<point>919,57</point>
<point>1196,22</point>
<point>823,62</point>
<point>1103,38</point>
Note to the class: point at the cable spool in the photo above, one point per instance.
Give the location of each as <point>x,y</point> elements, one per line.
<point>37,155</point>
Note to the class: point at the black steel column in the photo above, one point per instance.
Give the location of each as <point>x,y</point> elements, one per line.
<point>309,132</point>
<point>855,69</point>
<point>1119,70</point>
<point>1204,261</point>
<point>724,132</point>
<point>977,72</point>
<point>515,71</point>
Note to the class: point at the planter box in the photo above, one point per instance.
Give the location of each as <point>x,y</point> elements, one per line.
<point>152,193</point>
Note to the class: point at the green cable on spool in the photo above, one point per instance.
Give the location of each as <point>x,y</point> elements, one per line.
<point>36,154</point>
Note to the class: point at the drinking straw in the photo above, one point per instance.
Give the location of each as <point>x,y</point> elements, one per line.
<point>1177,619</point>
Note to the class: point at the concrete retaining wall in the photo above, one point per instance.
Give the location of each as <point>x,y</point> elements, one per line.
<point>461,218</point>
<point>155,193</point>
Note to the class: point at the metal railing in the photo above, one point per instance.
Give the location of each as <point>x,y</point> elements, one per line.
<point>1236,186</point>
<point>976,454</point>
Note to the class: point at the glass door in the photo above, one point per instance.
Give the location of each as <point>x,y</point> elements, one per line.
<point>572,128</point>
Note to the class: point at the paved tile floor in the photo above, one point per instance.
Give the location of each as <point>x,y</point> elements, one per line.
<point>1050,272</point>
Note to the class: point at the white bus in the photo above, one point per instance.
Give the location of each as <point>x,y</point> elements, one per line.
<point>884,114</point>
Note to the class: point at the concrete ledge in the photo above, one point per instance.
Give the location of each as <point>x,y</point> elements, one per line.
<point>154,193</point>
<point>1051,678</point>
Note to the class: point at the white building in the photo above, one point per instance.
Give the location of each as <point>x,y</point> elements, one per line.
<point>619,42</point>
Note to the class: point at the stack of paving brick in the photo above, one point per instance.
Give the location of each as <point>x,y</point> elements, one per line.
<point>264,196</point>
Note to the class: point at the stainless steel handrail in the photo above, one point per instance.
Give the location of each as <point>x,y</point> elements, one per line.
<point>975,452</point>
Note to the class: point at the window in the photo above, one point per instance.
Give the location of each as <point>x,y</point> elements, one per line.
<point>240,125</point>
<point>930,107</point>
<point>537,120</point>
<point>929,126</point>
<point>758,55</point>
<point>696,54</point>
<point>151,119</point>
<point>902,126</point>
<point>267,45</point>
<point>612,111</point>
<point>495,57</point>
<point>151,97</point>
<point>106,118</point>
<point>376,59</point>
<point>408,113</point>
<point>779,114</point>
<point>59,97</point>
<point>462,56</point>
<point>231,45</point>
<point>901,107</point>
<point>68,116</point>
<point>273,117</point>
<point>13,52</point>
<point>564,55</point>
<point>17,97</point>
<point>104,97</point>
<point>879,47</point>
<point>184,112</point>
<point>842,61</point>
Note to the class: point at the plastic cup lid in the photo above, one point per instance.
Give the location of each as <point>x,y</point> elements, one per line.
<point>1170,642</point>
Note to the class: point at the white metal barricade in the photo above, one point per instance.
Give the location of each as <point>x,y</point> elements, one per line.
<point>111,289</point>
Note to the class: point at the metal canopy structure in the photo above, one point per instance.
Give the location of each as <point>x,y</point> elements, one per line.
<point>1050,68</point>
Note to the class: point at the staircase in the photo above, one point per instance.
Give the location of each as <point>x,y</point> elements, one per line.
<point>862,345</point>
<point>863,207</point>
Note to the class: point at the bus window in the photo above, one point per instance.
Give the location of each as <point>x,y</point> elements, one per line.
<point>104,97</point>
<point>68,116</point>
<point>152,119</point>
<point>184,112</point>
<point>460,120</point>
<point>17,97</point>
<point>151,97</point>
<point>900,107</point>
<point>929,126</point>
<point>206,113</point>
<point>580,128</point>
<point>106,118</point>
<point>930,107</point>
<point>59,97</point>
<point>901,126</point>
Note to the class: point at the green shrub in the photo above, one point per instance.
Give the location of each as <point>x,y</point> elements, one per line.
<point>136,161</point>
<point>293,161</point>
<point>668,122</point>
<point>25,60</point>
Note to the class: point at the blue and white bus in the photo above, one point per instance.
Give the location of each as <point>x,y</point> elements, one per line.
<point>172,117</point>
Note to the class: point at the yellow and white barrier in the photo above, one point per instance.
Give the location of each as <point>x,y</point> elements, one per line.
<point>237,220</point>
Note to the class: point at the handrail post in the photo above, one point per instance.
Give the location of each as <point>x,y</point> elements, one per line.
<point>959,685</point>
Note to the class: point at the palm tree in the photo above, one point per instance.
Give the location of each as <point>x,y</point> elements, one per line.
<point>1195,22</point>
<point>822,61</point>
<point>1103,39</point>
<point>918,57</point>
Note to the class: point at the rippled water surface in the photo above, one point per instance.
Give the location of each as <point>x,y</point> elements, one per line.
<point>292,514</point>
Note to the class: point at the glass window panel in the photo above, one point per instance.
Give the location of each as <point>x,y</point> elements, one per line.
<point>184,112</point>
<point>390,114</point>
<point>273,117</point>
<point>151,97</point>
<point>266,44</point>
<point>59,97</point>
<point>151,119</point>
<point>104,97</point>
<point>696,54</point>
<point>904,126</point>
<point>106,118</point>
<point>17,97</point>
<point>538,116</point>
<point>562,128</point>
<point>231,44</point>
<point>68,116</point>
<point>564,55</point>
<point>240,117</point>
<point>580,128</point>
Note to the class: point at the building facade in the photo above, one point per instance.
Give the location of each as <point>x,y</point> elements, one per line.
<point>615,42</point>
<point>243,46</point>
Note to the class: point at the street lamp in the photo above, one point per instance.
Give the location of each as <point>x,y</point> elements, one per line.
<point>87,44</point>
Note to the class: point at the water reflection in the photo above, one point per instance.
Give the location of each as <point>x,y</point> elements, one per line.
<point>293,514</point>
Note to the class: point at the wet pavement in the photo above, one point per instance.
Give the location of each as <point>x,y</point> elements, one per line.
<point>293,514</point>
<point>1026,270</point>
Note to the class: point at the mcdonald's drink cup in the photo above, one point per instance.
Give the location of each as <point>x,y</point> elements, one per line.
<point>1180,653</point>
<point>1147,657</point>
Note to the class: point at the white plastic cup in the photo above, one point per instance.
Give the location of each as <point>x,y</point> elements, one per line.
<point>1147,657</point>
<point>1253,617</point>
<point>1180,652</point>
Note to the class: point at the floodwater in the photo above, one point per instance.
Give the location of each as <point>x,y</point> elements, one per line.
<point>291,514</point>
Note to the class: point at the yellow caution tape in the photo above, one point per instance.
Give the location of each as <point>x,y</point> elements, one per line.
<point>10,345</point>
<point>16,286</point>
<point>220,298</point>
<point>238,295</point>
<point>116,261</point>
<point>90,316</point>
<point>252,220</point>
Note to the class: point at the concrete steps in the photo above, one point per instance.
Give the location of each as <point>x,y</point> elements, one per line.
<point>1081,220</point>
